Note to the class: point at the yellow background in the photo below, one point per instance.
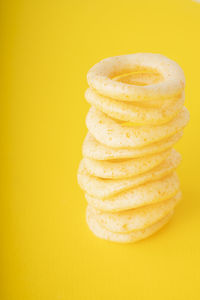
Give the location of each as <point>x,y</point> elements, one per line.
<point>47,251</point>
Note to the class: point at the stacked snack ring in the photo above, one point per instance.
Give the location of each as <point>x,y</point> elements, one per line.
<point>128,169</point>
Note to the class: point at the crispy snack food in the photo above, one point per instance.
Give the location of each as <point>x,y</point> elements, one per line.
<point>128,166</point>
<point>100,77</point>
<point>133,236</point>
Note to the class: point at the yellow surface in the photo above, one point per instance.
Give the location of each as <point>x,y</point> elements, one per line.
<point>47,251</point>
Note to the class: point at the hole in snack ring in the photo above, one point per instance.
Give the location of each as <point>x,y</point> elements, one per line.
<point>140,78</point>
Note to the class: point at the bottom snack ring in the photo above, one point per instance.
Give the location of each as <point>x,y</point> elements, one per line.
<point>131,237</point>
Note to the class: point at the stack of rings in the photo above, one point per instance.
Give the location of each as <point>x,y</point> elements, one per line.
<point>128,168</point>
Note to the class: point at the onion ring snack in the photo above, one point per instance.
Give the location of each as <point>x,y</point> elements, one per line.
<point>127,172</point>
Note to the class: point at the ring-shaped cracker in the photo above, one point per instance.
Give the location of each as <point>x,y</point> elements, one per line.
<point>105,188</point>
<point>131,237</point>
<point>131,112</point>
<point>135,219</point>
<point>100,77</point>
<point>149,193</point>
<point>125,168</point>
<point>94,150</point>
<point>111,133</point>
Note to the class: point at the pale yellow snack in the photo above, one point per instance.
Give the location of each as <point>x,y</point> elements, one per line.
<point>143,115</point>
<point>94,150</point>
<point>100,77</point>
<point>135,219</point>
<point>124,168</point>
<point>105,188</point>
<point>134,236</point>
<point>112,134</point>
<point>128,167</point>
<point>149,193</point>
